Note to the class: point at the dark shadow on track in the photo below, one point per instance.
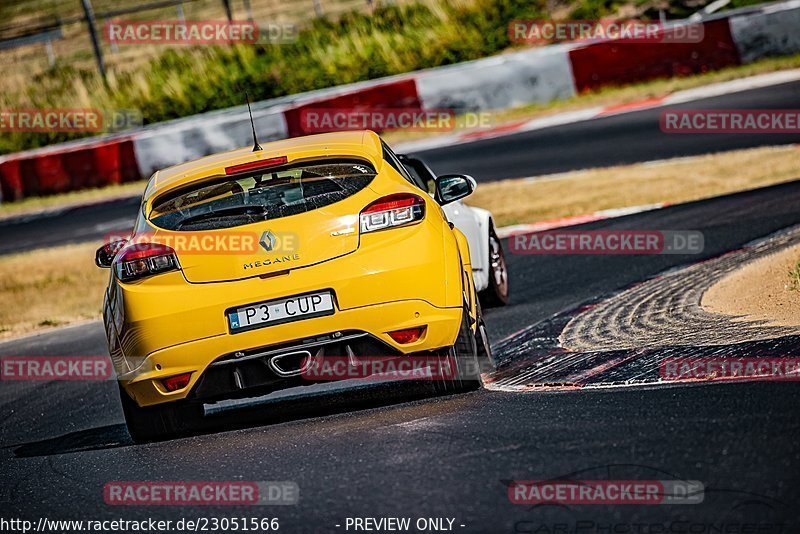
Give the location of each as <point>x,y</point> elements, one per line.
<point>91,439</point>
<point>258,412</point>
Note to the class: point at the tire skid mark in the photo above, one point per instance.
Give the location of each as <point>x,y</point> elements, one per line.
<point>663,310</point>
<point>621,339</point>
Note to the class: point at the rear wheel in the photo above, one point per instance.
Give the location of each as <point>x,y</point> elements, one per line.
<point>160,422</point>
<point>485,356</point>
<point>462,361</point>
<point>496,293</point>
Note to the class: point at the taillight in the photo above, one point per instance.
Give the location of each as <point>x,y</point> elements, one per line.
<point>409,335</point>
<point>145,259</point>
<point>174,383</point>
<point>391,211</point>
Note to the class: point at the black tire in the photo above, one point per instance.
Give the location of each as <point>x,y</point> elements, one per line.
<point>496,293</point>
<point>485,356</point>
<point>159,422</point>
<point>462,358</point>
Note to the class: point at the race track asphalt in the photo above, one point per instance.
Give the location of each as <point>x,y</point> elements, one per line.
<point>395,450</point>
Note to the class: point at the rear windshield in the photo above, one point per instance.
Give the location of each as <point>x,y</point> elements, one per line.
<point>260,196</point>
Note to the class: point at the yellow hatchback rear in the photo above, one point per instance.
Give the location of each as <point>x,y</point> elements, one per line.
<point>246,267</point>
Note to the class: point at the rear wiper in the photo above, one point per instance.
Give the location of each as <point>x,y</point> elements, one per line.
<point>252,211</point>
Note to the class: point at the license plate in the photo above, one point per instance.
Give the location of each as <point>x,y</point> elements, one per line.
<point>280,311</point>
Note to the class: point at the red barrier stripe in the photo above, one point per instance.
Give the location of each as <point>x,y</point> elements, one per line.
<point>399,94</point>
<point>633,106</point>
<point>52,176</point>
<point>129,167</point>
<point>610,63</point>
<point>93,164</point>
<point>11,180</point>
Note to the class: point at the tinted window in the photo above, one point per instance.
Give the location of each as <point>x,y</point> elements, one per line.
<point>260,196</point>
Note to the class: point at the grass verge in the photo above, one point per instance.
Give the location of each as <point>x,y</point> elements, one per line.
<point>674,181</point>
<point>51,287</point>
<point>57,286</point>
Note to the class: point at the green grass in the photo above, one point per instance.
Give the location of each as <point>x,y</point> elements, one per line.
<point>356,46</point>
<point>794,277</point>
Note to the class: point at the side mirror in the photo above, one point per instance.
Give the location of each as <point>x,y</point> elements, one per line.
<point>452,187</point>
<point>105,254</point>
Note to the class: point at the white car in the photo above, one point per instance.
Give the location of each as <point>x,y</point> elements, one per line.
<point>486,251</point>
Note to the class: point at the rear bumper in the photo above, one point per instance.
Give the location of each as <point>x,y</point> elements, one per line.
<point>419,263</point>
<point>144,383</point>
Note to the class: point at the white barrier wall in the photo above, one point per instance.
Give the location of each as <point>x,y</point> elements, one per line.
<point>773,31</point>
<point>499,82</point>
<point>186,140</point>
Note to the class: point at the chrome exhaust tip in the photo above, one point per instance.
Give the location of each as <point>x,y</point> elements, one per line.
<point>293,364</point>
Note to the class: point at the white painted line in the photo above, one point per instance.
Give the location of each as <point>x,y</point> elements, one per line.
<point>734,86</point>
<point>508,231</point>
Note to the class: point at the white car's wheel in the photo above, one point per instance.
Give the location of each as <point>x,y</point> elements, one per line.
<point>496,293</point>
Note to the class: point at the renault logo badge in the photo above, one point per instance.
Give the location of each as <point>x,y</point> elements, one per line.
<point>267,240</point>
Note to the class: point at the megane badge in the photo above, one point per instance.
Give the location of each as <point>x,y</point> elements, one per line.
<point>267,240</point>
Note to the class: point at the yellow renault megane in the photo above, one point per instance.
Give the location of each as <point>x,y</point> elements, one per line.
<point>246,266</point>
